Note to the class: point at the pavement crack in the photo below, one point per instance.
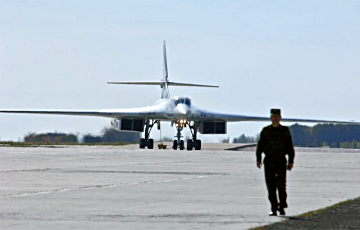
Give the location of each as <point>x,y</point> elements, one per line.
<point>59,170</point>
<point>102,186</point>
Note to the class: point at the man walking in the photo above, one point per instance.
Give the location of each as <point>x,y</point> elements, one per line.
<point>275,141</point>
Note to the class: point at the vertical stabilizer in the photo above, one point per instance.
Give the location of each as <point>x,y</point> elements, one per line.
<point>164,83</point>
<point>165,89</point>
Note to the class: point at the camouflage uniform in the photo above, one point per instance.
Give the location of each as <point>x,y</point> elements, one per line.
<point>275,142</point>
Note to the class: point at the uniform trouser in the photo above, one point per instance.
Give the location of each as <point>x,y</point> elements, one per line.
<point>275,177</point>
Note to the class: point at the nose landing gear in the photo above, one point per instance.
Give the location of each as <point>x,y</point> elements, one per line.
<point>191,144</point>
<point>178,143</point>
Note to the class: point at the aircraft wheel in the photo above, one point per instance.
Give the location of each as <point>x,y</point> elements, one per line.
<point>150,143</point>
<point>197,144</point>
<point>182,145</point>
<point>189,145</point>
<point>175,145</point>
<point>142,143</point>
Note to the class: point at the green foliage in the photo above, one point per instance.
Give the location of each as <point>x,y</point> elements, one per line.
<point>334,145</point>
<point>50,138</point>
<point>167,139</point>
<point>88,138</point>
<point>52,145</point>
<point>335,136</point>
<point>244,139</point>
<point>110,135</point>
<point>324,144</point>
<point>225,140</point>
<point>302,135</point>
<point>350,145</point>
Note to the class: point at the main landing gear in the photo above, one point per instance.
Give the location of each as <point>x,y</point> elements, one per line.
<point>147,142</point>
<point>191,143</point>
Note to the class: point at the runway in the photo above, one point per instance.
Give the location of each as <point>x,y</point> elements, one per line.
<point>111,187</point>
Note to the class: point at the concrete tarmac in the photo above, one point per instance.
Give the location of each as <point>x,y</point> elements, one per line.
<point>111,187</point>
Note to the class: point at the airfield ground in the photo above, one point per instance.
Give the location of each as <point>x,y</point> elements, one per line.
<point>112,187</point>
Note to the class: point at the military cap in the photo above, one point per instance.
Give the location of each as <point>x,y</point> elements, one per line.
<point>275,111</point>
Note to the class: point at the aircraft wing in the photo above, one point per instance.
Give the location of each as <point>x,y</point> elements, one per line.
<point>153,113</point>
<point>204,115</point>
<point>110,113</point>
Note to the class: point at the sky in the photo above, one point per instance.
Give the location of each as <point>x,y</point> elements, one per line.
<point>300,56</point>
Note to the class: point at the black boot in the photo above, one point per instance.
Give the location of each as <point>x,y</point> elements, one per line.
<point>273,212</point>
<point>282,211</point>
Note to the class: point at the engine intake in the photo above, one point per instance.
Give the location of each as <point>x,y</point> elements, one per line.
<point>213,127</point>
<point>132,125</point>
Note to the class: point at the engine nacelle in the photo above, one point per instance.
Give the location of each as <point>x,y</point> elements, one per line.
<point>131,125</point>
<point>212,127</point>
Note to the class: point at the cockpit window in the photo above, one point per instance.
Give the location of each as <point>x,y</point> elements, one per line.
<point>177,101</point>
<point>183,100</point>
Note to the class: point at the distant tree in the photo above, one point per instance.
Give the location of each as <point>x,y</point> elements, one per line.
<point>257,138</point>
<point>244,139</point>
<point>167,139</point>
<point>107,135</point>
<point>225,140</point>
<point>51,138</point>
<point>92,139</point>
<point>358,145</point>
<point>333,135</point>
<point>302,135</point>
<point>334,145</point>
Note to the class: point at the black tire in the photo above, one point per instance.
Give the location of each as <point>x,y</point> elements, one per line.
<point>182,145</point>
<point>189,145</point>
<point>142,143</point>
<point>197,144</point>
<point>150,143</point>
<point>175,145</point>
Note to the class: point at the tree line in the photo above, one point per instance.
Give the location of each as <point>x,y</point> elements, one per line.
<point>323,135</point>
<point>112,135</point>
<point>246,139</point>
<point>320,135</point>
<point>51,138</point>
<point>107,135</point>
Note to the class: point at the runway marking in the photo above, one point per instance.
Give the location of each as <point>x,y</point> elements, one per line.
<point>186,218</point>
<point>103,186</point>
<point>60,170</point>
<point>121,184</point>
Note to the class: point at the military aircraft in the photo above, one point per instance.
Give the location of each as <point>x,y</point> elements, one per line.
<point>178,110</point>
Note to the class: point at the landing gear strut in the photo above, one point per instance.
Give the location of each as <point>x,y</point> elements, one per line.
<point>178,143</point>
<point>193,143</point>
<point>147,142</point>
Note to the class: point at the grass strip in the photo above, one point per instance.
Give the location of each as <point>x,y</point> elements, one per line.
<point>57,145</point>
<point>307,216</point>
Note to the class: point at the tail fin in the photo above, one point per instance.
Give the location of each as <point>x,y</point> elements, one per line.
<point>164,83</point>
<point>165,87</point>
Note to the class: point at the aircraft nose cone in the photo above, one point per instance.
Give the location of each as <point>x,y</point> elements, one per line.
<point>183,111</point>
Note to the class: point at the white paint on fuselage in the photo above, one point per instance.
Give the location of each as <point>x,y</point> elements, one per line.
<point>172,111</point>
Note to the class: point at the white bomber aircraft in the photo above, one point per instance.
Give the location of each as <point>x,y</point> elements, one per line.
<point>178,110</point>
